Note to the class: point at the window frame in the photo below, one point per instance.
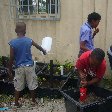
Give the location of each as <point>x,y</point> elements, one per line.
<point>17,10</point>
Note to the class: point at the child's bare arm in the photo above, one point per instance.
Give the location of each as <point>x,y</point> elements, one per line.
<point>83,46</point>
<point>11,59</point>
<point>39,47</point>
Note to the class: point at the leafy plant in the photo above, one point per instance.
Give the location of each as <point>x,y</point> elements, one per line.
<point>41,80</point>
<point>68,64</point>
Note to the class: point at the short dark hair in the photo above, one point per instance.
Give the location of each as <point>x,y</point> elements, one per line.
<point>98,54</point>
<point>20,28</point>
<point>94,16</point>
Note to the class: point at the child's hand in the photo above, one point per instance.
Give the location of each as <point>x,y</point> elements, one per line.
<point>44,52</point>
<point>96,31</point>
<point>82,76</point>
<point>84,83</point>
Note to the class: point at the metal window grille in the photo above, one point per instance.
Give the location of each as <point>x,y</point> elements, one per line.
<point>35,9</point>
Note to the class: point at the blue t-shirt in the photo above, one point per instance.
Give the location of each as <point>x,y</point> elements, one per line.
<point>22,51</point>
<point>86,35</point>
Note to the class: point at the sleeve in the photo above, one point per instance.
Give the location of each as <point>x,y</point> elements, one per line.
<point>31,41</point>
<point>101,70</point>
<point>84,34</point>
<point>11,44</point>
<point>80,64</point>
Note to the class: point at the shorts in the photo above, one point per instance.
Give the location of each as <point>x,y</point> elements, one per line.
<point>25,75</point>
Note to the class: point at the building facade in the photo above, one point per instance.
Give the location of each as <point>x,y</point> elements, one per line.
<point>64,27</point>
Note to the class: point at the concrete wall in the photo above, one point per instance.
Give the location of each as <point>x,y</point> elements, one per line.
<point>65,33</point>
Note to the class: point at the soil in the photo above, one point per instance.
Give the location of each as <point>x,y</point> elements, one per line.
<point>90,99</point>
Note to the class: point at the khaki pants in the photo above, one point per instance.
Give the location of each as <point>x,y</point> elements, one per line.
<point>25,75</point>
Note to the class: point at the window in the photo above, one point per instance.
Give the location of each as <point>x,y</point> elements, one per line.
<point>35,9</point>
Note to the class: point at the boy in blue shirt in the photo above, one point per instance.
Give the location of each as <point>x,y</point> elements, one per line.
<point>20,55</point>
<point>86,35</point>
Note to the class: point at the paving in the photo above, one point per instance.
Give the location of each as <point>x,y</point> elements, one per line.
<point>44,105</point>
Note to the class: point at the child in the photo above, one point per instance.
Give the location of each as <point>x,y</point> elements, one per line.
<point>91,66</point>
<point>86,36</point>
<point>20,54</point>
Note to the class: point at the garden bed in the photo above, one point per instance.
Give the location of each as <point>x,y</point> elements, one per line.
<point>49,82</point>
<point>51,88</point>
<point>99,100</point>
<point>53,69</point>
<point>50,79</point>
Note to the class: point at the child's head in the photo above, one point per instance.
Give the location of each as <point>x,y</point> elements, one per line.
<point>20,28</point>
<point>94,19</point>
<point>96,57</point>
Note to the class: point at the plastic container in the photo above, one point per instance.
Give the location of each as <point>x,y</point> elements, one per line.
<point>72,103</point>
<point>61,67</point>
<point>47,43</point>
<point>35,65</point>
<point>4,109</point>
<point>83,93</point>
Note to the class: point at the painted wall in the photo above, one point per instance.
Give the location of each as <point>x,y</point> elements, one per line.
<point>65,33</point>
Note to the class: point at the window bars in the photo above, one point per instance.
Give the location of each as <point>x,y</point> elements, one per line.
<point>35,9</point>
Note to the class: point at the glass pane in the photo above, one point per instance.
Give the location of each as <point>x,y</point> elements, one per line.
<point>57,6</point>
<point>42,6</point>
<point>47,6</point>
<point>50,4</point>
<point>52,9</point>
<point>52,1</point>
<point>26,6</point>
<point>35,5</point>
<point>21,8</point>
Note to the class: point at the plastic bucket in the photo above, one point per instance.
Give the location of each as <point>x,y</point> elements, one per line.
<point>83,94</point>
<point>47,43</point>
